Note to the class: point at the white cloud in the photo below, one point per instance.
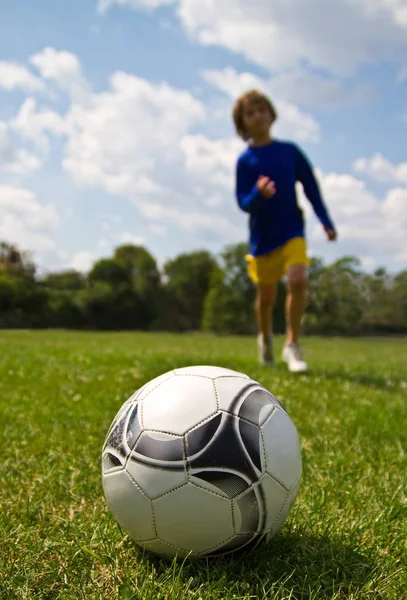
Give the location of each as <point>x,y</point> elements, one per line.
<point>15,161</point>
<point>124,137</point>
<point>338,35</point>
<point>34,124</point>
<point>25,221</point>
<point>132,141</point>
<point>110,222</point>
<point>14,76</point>
<point>193,220</point>
<point>364,221</point>
<point>298,86</point>
<point>295,124</point>
<point>103,244</point>
<point>381,169</point>
<point>103,5</point>
<point>157,229</point>
<point>82,261</point>
<point>130,238</point>
<point>64,69</point>
<point>212,160</point>
<point>291,123</point>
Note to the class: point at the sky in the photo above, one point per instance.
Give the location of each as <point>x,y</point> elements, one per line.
<point>115,122</point>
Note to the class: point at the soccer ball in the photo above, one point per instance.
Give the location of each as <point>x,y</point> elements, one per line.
<point>201,461</point>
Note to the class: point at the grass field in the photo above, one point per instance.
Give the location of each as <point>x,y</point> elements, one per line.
<point>346,535</point>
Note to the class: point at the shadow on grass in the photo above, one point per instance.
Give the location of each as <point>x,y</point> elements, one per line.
<point>305,565</point>
<point>392,383</point>
<point>296,566</point>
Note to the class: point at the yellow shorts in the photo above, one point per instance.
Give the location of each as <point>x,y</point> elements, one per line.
<point>271,267</point>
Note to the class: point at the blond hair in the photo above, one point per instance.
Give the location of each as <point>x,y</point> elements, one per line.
<point>250,96</point>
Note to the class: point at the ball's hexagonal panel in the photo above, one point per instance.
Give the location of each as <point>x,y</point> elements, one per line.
<point>178,404</point>
<point>295,488</point>
<point>249,512</point>
<point>155,481</point>
<point>256,405</point>
<point>275,498</point>
<point>229,388</point>
<point>137,393</point>
<point>285,511</point>
<point>245,398</point>
<point>130,507</point>
<point>209,371</point>
<point>282,446</point>
<point>193,519</point>
<point>163,549</point>
<point>152,385</point>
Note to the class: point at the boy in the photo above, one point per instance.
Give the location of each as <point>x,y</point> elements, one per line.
<point>266,174</point>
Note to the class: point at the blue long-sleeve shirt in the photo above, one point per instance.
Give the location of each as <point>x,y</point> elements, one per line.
<point>274,221</point>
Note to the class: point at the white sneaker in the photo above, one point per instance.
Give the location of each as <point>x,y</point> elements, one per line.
<point>265,348</point>
<point>293,357</point>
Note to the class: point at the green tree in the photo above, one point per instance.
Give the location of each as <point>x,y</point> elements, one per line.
<point>221,313</point>
<point>126,292</point>
<point>65,280</point>
<point>145,279</point>
<point>336,301</point>
<point>110,307</point>
<point>22,301</point>
<point>111,301</point>
<point>63,309</point>
<point>379,304</point>
<point>16,262</point>
<point>187,284</point>
<point>141,266</point>
<point>399,301</point>
<point>109,271</point>
<point>229,304</point>
<point>314,299</point>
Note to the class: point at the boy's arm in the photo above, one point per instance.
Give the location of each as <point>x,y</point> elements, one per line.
<point>247,191</point>
<point>311,189</point>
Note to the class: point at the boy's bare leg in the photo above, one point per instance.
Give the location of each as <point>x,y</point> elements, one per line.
<point>296,301</point>
<point>265,298</point>
<point>295,309</point>
<point>266,295</point>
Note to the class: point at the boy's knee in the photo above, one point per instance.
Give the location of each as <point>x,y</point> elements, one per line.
<point>266,293</point>
<point>297,282</point>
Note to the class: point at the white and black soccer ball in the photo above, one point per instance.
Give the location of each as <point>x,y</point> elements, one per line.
<point>201,461</point>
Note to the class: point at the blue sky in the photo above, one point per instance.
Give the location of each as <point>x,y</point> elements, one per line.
<point>115,122</point>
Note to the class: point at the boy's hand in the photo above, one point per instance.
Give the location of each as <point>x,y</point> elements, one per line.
<point>331,234</point>
<point>266,187</point>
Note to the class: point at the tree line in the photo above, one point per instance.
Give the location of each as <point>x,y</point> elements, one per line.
<point>195,291</point>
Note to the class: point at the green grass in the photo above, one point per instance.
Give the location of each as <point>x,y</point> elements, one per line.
<point>346,535</point>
